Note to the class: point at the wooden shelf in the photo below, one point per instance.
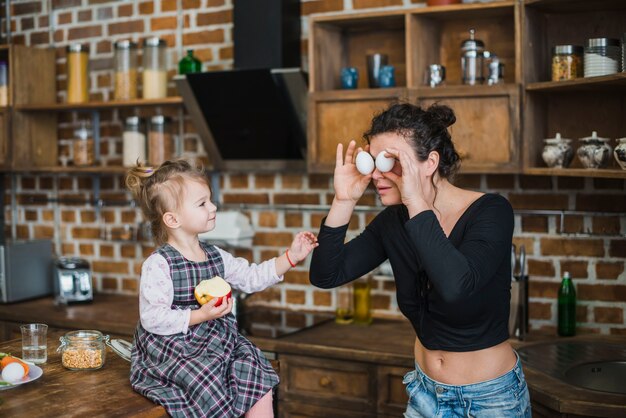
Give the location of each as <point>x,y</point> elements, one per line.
<point>358,94</point>
<point>466,91</point>
<point>613,82</point>
<point>69,169</point>
<point>61,107</point>
<point>455,11</point>
<point>572,6</point>
<point>575,172</point>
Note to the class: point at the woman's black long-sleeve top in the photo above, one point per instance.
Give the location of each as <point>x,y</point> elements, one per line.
<point>455,290</point>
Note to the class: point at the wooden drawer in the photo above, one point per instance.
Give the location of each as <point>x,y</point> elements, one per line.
<point>332,383</point>
<point>303,410</point>
<point>392,396</point>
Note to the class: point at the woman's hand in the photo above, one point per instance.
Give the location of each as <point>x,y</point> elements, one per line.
<point>302,245</point>
<point>348,182</point>
<point>411,183</point>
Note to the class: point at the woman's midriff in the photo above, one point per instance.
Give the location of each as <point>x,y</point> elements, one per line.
<point>463,368</point>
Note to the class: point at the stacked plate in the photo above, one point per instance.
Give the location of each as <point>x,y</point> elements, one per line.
<point>602,57</point>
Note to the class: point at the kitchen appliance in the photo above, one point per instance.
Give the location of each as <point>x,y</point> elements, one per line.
<point>72,283</point>
<point>25,270</point>
<point>472,55</point>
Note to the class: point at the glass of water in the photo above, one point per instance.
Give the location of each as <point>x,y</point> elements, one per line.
<point>34,343</point>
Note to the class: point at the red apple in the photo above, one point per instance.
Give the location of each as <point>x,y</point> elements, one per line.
<point>212,288</point>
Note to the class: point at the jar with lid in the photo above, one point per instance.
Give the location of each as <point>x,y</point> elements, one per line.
<point>602,56</point>
<point>83,349</point>
<point>83,146</point>
<point>4,81</point>
<point>134,142</point>
<point>557,153</point>
<point>567,62</point>
<point>472,54</point>
<point>154,69</point>
<point>77,73</point>
<point>125,62</point>
<point>594,152</point>
<point>160,141</point>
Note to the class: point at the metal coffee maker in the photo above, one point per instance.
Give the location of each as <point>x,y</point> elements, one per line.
<point>72,283</point>
<point>472,56</point>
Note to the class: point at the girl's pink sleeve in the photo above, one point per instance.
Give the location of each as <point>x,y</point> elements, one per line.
<point>156,294</point>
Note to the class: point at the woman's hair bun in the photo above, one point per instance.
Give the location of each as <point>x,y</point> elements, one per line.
<point>442,114</point>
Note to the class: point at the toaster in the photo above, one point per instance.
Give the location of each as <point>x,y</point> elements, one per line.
<point>73,280</point>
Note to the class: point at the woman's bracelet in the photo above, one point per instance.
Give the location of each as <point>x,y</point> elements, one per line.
<point>289,259</point>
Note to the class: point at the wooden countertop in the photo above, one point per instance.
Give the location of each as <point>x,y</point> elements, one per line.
<point>60,392</point>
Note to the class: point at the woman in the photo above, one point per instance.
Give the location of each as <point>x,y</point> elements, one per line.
<point>450,253</point>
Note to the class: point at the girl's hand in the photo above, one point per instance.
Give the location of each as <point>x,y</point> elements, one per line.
<point>210,312</point>
<point>302,245</point>
<point>411,183</point>
<point>348,182</point>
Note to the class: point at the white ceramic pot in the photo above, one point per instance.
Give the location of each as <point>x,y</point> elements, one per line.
<point>557,152</point>
<point>594,152</point>
<point>620,152</point>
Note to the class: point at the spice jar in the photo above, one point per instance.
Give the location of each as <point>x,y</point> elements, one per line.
<point>83,349</point>
<point>602,56</point>
<point>83,146</point>
<point>77,73</point>
<point>154,69</point>
<point>4,90</point>
<point>160,141</point>
<point>567,62</point>
<point>125,70</point>
<point>134,142</point>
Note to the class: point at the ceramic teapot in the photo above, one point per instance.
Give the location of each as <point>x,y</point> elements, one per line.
<point>557,153</point>
<point>594,151</point>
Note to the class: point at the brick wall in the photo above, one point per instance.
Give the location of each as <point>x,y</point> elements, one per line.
<point>589,240</point>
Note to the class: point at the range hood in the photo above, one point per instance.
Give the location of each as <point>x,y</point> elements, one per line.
<point>254,117</point>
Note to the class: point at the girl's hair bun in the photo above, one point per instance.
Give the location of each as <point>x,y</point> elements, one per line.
<point>442,114</point>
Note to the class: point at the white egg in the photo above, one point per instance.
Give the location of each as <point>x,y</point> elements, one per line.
<point>364,163</point>
<point>13,372</point>
<point>384,164</point>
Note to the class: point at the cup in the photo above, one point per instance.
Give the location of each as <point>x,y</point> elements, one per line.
<point>375,62</point>
<point>436,75</point>
<point>349,78</point>
<point>34,343</point>
<point>387,77</point>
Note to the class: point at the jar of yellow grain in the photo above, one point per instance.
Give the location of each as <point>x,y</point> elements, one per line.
<point>77,73</point>
<point>83,349</point>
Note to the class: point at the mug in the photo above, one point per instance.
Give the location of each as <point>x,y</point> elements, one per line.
<point>387,77</point>
<point>436,75</point>
<point>349,78</point>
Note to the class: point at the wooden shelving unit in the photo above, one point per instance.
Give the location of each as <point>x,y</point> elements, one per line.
<point>71,169</point>
<point>112,104</point>
<point>588,84</point>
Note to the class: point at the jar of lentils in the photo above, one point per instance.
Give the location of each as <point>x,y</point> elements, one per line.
<point>83,349</point>
<point>567,62</point>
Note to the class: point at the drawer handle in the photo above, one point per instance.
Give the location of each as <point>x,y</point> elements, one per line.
<point>325,382</point>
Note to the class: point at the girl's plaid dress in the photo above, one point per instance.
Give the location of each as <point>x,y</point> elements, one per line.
<point>212,370</point>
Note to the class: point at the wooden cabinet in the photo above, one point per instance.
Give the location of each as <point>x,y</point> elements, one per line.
<point>573,108</point>
<point>487,116</point>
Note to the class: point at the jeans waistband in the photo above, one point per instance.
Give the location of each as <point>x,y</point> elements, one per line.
<point>514,376</point>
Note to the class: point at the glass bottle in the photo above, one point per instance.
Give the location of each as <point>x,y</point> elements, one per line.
<point>83,350</point>
<point>125,70</point>
<point>134,142</point>
<point>344,300</point>
<point>567,307</point>
<point>363,300</point>
<point>160,141</point>
<point>189,64</point>
<point>4,89</point>
<point>83,146</point>
<point>77,73</point>
<point>154,69</point>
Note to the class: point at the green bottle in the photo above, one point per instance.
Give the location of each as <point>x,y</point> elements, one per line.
<point>567,307</point>
<point>189,64</point>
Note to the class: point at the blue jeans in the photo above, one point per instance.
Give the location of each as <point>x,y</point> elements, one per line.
<point>502,397</point>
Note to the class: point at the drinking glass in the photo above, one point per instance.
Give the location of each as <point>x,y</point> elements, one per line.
<point>34,343</point>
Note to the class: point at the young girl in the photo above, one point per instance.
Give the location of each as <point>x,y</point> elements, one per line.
<point>190,358</point>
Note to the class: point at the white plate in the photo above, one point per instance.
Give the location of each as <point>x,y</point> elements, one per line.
<point>34,373</point>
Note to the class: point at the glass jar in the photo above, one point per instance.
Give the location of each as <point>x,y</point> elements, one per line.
<point>154,69</point>
<point>125,62</point>
<point>83,146</point>
<point>557,152</point>
<point>363,300</point>
<point>134,142</point>
<point>83,349</point>
<point>4,81</point>
<point>77,73</point>
<point>160,141</point>
<point>594,152</point>
<point>189,64</point>
<point>602,56</point>
<point>567,62</point>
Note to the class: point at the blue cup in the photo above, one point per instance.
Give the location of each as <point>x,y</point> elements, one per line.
<point>387,77</point>
<point>349,78</point>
